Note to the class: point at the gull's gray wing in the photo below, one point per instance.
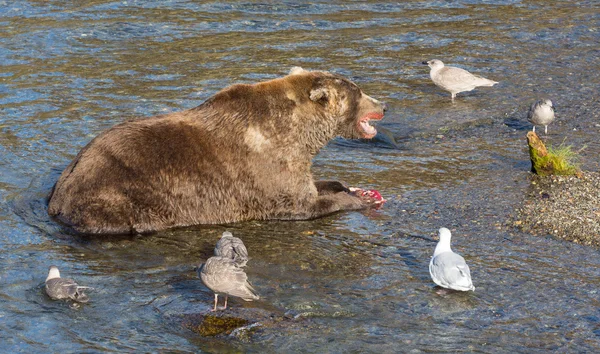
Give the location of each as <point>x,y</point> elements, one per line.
<point>458,80</point>
<point>64,288</point>
<point>452,77</point>
<point>534,107</point>
<point>450,270</point>
<point>531,110</point>
<point>222,275</point>
<point>232,248</point>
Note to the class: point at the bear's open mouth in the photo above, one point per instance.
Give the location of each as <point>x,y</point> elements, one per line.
<point>368,131</point>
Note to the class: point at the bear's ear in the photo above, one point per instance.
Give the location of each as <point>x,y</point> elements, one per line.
<point>297,70</point>
<point>319,94</point>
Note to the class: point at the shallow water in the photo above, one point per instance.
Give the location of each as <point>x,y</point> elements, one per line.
<point>67,72</point>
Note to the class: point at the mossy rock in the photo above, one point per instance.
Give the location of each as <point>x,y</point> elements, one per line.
<point>213,325</point>
<point>551,161</point>
<point>238,322</point>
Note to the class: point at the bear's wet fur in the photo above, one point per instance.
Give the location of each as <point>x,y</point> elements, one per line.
<point>244,154</point>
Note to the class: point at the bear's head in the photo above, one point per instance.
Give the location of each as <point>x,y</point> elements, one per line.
<point>349,107</point>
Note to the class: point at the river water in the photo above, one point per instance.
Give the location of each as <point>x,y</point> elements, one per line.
<point>355,282</point>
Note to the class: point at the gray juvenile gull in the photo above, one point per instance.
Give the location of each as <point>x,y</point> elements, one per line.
<point>455,80</point>
<point>232,248</point>
<point>63,288</point>
<point>541,113</point>
<point>223,276</point>
<point>448,269</point>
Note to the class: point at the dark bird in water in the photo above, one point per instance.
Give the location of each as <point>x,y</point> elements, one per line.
<point>64,288</point>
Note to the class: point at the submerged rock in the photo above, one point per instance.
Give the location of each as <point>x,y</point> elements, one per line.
<point>209,325</point>
<point>198,318</point>
<point>240,323</point>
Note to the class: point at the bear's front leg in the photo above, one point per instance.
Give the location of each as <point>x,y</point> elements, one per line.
<point>329,204</point>
<point>332,197</point>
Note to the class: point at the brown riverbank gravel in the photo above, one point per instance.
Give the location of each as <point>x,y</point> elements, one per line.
<point>566,207</point>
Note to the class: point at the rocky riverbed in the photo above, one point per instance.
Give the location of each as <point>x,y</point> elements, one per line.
<point>566,207</point>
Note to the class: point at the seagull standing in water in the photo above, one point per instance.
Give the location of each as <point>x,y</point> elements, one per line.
<point>541,113</point>
<point>63,288</point>
<point>448,269</point>
<point>232,248</point>
<point>223,276</point>
<point>455,80</point>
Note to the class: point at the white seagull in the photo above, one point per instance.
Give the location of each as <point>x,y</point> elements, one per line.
<point>455,80</point>
<point>448,269</point>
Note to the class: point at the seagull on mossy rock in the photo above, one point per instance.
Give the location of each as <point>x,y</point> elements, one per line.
<point>541,113</point>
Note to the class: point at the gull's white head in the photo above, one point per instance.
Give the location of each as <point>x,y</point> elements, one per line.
<point>53,273</point>
<point>547,102</point>
<point>434,64</point>
<point>443,244</point>
<point>226,234</point>
<point>445,235</point>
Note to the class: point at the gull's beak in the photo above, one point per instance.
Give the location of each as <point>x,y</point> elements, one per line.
<point>425,63</point>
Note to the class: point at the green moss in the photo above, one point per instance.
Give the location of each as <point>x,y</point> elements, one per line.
<point>563,159</point>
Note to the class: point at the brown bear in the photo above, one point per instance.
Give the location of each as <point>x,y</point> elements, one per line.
<point>244,154</point>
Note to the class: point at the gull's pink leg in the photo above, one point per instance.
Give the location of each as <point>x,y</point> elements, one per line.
<point>224,307</point>
<point>216,299</point>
